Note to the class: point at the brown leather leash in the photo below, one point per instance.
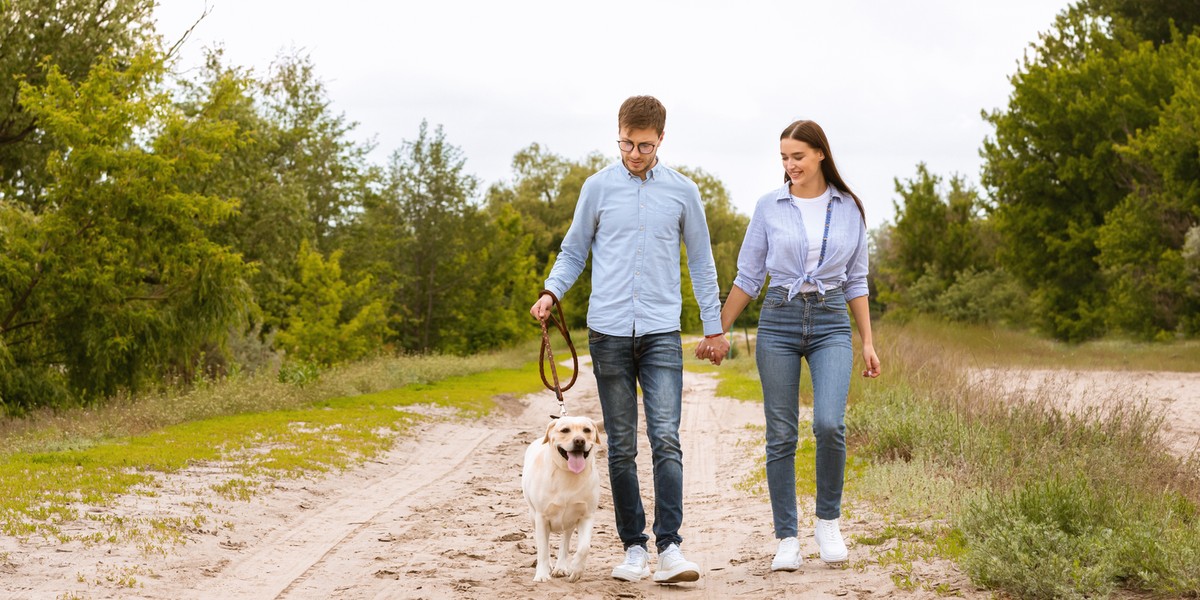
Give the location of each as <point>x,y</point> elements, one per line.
<point>560,323</point>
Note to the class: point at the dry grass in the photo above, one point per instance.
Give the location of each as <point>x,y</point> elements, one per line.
<point>78,428</point>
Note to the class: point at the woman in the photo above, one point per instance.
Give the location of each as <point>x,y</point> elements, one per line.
<point>810,237</point>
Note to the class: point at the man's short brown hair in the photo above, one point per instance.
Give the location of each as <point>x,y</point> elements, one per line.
<point>642,112</point>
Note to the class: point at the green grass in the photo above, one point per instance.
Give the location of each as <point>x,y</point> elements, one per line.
<point>41,488</point>
<point>1029,500</point>
<point>1048,504</point>
<point>981,346</point>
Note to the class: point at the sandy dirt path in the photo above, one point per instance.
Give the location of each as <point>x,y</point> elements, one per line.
<point>1176,396</point>
<point>441,516</point>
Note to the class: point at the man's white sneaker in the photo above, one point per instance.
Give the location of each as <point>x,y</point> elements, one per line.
<point>829,539</point>
<point>635,567</point>
<point>787,558</point>
<point>674,568</point>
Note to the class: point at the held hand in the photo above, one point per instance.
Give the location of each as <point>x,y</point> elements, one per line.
<point>541,309</point>
<point>872,361</point>
<point>714,349</point>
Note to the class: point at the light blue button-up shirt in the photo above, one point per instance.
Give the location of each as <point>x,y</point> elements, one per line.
<point>633,229</point>
<point>776,245</point>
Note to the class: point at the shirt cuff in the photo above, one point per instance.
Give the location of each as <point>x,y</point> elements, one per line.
<point>712,327</point>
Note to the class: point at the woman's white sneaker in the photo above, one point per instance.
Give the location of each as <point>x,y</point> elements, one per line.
<point>787,558</point>
<point>833,547</point>
<point>829,539</point>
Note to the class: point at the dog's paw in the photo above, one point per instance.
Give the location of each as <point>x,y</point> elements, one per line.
<point>575,575</point>
<point>541,576</point>
<point>560,571</point>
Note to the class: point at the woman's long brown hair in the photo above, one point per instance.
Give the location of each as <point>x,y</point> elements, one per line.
<point>810,133</point>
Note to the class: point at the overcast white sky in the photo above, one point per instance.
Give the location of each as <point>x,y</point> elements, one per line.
<point>892,83</point>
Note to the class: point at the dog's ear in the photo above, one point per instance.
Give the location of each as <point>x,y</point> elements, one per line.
<point>597,427</point>
<point>549,427</point>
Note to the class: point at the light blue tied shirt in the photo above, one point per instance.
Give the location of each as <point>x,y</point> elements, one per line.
<point>776,245</point>
<point>633,229</point>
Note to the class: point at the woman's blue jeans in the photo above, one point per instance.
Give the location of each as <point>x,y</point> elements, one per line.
<point>815,328</point>
<point>656,362</point>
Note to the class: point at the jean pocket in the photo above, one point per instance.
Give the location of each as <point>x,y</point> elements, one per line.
<point>595,337</point>
<point>834,303</point>
<point>773,301</point>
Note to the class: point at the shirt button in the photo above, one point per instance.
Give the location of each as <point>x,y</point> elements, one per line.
<point>642,228</point>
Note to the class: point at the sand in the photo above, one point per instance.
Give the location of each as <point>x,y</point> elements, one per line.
<point>441,516</point>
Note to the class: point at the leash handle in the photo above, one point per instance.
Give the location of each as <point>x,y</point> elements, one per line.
<point>560,323</point>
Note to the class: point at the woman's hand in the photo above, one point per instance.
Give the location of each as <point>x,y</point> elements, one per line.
<point>871,360</point>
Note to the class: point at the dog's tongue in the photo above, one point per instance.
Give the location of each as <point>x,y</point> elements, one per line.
<point>576,462</point>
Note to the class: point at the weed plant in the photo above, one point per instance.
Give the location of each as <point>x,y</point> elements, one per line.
<point>54,464</point>
<point>1049,503</point>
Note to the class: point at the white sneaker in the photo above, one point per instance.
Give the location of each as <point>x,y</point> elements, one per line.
<point>829,538</point>
<point>635,567</point>
<point>787,558</point>
<point>674,568</point>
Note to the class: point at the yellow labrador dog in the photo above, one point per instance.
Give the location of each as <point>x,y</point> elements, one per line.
<point>563,489</point>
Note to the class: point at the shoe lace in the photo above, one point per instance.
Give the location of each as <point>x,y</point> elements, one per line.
<point>787,547</point>
<point>830,530</point>
<point>634,556</point>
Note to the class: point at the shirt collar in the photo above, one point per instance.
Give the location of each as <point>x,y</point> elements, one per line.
<point>651,173</point>
<point>785,192</point>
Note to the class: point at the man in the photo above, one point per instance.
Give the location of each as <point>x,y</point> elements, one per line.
<point>632,217</point>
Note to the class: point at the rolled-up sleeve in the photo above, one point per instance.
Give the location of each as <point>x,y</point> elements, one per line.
<point>752,258</point>
<point>856,268</point>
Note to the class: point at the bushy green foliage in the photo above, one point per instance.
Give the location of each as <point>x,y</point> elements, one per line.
<point>1050,539</point>
<point>938,257</point>
<point>982,297</point>
<point>726,229</point>
<point>1074,538</point>
<point>320,327</point>
<point>110,276</point>
<point>1054,504</point>
<point>1092,169</point>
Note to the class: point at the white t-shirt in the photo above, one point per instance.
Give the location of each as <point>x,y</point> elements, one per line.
<point>812,211</point>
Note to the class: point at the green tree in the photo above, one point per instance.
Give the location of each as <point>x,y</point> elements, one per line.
<point>1150,19</point>
<point>71,36</point>
<point>726,230</point>
<point>543,192</point>
<point>939,234</point>
<point>1141,243</point>
<point>296,173</point>
<point>458,278</point>
<point>111,277</point>
<point>314,149</point>
<point>1053,169</point>
<point>319,328</point>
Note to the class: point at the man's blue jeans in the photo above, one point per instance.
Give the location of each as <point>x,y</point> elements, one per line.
<point>654,361</point>
<point>816,328</point>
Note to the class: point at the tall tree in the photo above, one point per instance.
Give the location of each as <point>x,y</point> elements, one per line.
<point>1141,243</point>
<point>1052,166</point>
<point>71,36</point>
<point>315,150</point>
<point>320,328</point>
<point>543,192</point>
<point>112,276</point>
<point>726,230</point>
<point>1150,20</point>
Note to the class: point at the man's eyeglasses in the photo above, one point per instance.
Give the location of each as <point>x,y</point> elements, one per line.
<point>644,147</point>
